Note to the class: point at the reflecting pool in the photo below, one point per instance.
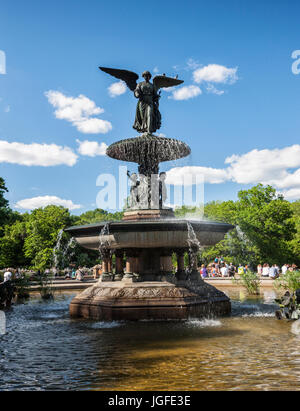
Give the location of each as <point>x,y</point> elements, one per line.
<point>45,349</point>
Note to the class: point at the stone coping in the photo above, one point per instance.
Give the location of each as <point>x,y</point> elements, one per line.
<point>149,225</point>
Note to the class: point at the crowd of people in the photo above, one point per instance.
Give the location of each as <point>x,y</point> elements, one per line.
<point>220,268</point>
<point>78,274</point>
<point>274,271</point>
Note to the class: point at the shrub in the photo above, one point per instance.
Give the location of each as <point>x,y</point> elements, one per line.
<point>249,281</point>
<point>289,281</point>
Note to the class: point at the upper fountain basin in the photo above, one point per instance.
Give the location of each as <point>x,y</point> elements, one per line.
<point>139,149</point>
<point>149,234</point>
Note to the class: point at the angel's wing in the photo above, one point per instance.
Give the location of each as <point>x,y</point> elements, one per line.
<point>164,82</point>
<point>129,77</point>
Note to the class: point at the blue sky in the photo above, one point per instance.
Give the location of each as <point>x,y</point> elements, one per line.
<point>235,54</point>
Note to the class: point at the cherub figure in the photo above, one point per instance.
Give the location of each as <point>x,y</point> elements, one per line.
<point>144,192</point>
<point>134,197</point>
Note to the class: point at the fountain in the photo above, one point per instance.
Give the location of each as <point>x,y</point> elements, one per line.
<point>149,235</point>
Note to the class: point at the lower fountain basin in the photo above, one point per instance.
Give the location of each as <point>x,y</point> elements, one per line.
<point>150,301</point>
<point>148,288</point>
<point>149,234</point>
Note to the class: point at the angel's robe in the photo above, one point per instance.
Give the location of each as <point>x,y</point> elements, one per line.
<point>148,117</point>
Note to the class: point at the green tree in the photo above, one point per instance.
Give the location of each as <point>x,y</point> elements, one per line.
<point>267,221</point>
<point>42,228</point>
<point>12,245</point>
<point>97,216</point>
<point>265,228</point>
<point>295,242</point>
<point>6,214</point>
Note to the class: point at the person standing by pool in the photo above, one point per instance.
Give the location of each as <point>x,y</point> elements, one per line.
<point>241,270</point>
<point>231,270</point>
<point>273,272</point>
<point>7,275</point>
<point>214,271</point>
<point>266,270</point>
<point>224,271</point>
<point>259,270</point>
<point>203,271</point>
<point>79,275</point>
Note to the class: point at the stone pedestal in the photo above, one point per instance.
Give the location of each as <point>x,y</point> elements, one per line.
<point>137,215</point>
<point>114,301</point>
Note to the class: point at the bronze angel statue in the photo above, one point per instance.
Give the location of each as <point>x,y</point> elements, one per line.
<point>148,117</point>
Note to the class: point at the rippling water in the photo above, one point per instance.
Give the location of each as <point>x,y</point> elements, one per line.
<point>45,349</point>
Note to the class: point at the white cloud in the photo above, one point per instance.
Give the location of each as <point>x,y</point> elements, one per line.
<point>211,175</point>
<point>93,126</point>
<point>213,90</point>
<point>36,154</point>
<point>78,111</point>
<point>292,194</point>
<point>215,73</point>
<point>192,64</point>
<point>117,89</point>
<point>7,109</point>
<point>277,167</point>
<point>266,166</point>
<point>43,201</point>
<point>186,92</point>
<point>91,148</point>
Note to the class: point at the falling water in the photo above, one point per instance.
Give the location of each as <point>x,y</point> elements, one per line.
<point>192,240</point>
<point>241,234</point>
<point>194,245</point>
<point>63,251</point>
<point>57,248</point>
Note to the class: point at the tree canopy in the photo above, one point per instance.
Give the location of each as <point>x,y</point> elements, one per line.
<point>267,229</point>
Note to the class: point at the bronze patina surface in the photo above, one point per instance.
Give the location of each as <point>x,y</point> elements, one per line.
<point>139,280</point>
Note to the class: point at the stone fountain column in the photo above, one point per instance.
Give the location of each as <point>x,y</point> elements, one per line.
<point>166,266</point>
<point>130,265</point>
<point>107,267</point>
<point>119,266</point>
<point>110,266</point>
<point>137,266</point>
<point>194,273</point>
<point>181,273</point>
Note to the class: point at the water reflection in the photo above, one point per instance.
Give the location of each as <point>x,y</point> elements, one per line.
<point>45,349</point>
